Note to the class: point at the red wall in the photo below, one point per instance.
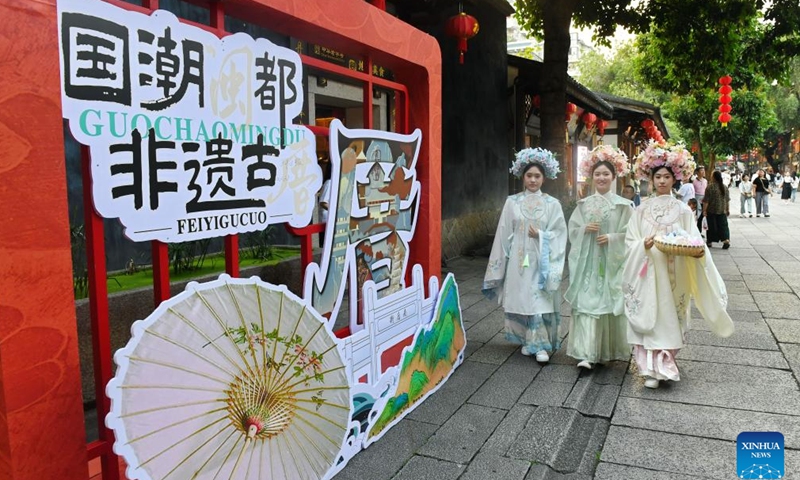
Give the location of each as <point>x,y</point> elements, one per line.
<point>41,417</point>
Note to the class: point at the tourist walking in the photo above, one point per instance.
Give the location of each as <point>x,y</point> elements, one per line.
<point>762,190</point>
<point>795,184</point>
<point>700,183</point>
<point>658,287</point>
<point>527,260</point>
<point>786,190</point>
<point>598,327</point>
<point>746,193</point>
<point>716,204</point>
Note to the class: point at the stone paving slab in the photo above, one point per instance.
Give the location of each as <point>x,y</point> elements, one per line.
<point>784,399</point>
<point>543,472</point>
<point>779,305</point>
<point>743,338</point>
<point>383,459</point>
<point>424,468</point>
<point>611,373</point>
<point>559,373</point>
<point>487,466</point>
<point>732,356</point>
<point>766,283</point>
<point>786,331</point>
<point>478,311</point>
<point>611,471</point>
<point>562,439</point>
<point>506,433</point>
<point>447,400</point>
<point>792,352</point>
<point>495,351</point>
<point>593,399</point>
<point>743,302</point>
<point>676,454</point>
<point>735,287</point>
<point>460,438</point>
<point>541,392</point>
<point>484,330</point>
<point>701,421</point>
<point>504,387</point>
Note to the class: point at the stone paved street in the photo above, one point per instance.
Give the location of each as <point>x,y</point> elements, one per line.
<point>502,416</point>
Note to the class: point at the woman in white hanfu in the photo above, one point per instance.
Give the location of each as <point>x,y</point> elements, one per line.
<point>598,327</point>
<point>657,287</point>
<point>527,259</point>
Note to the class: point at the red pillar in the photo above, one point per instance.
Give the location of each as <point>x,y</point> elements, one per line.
<point>41,414</point>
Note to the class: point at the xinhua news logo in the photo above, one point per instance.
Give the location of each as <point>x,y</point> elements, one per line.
<point>759,455</point>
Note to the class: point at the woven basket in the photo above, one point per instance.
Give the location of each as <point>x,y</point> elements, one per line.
<point>679,250</point>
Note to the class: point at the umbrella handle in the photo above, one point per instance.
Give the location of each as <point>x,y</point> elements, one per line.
<point>251,433</point>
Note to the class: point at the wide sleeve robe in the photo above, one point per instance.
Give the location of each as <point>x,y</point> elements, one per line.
<point>525,272</point>
<point>658,288</point>
<point>595,271</point>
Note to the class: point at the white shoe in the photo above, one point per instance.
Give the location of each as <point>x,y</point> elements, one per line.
<point>525,351</point>
<point>741,215</point>
<point>651,383</point>
<point>585,364</point>
<point>542,356</point>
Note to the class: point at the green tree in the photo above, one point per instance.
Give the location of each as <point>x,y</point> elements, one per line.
<point>692,43</point>
<point>551,21</point>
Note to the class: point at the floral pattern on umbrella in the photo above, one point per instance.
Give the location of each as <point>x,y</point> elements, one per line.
<point>234,379</point>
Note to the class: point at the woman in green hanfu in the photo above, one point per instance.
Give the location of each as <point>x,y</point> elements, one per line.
<point>598,327</point>
<point>527,260</point>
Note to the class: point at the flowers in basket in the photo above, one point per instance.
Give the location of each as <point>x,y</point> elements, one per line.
<point>680,242</point>
<point>675,157</point>
<point>540,156</point>
<point>604,153</point>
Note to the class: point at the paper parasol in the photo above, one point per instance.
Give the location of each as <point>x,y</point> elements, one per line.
<point>232,379</point>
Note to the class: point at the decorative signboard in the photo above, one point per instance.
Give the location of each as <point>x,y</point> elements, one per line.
<point>192,137</point>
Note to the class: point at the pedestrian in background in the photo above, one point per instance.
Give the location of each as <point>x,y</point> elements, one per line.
<point>717,208</point>
<point>746,201</point>
<point>700,183</point>
<point>761,184</point>
<point>786,190</point>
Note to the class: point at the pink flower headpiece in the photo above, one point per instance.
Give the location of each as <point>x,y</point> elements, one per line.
<point>605,153</point>
<point>674,157</point>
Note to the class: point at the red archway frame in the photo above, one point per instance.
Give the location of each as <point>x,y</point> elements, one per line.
<point>41,418</point>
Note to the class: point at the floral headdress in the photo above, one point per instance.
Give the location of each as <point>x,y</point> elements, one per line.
<point>674,157</point>
<point>605,153</point>
<point>539,156</point>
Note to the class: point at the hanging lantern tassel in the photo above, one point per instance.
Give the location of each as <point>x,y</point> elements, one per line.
<point>725,100</point>
<point>463,27</point>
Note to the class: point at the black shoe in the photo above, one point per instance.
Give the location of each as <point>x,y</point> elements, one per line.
<point>766,214</point>
<point>726,245</point>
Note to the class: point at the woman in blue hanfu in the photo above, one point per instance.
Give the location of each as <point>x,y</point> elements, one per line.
<point>527,259</point>
<point>598,327</point>
<point>658,287</point>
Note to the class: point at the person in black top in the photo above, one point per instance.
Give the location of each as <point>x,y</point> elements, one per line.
<point>762,194</point>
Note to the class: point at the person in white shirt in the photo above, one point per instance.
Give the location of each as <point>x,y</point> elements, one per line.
<point>726,178</point>
<point>795,184</point>
<point>686,192</point>
<point>747,204</point>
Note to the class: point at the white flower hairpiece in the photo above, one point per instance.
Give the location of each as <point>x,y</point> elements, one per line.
<point>674,157</point>
<point>605,153</point>
<point>539,156</point>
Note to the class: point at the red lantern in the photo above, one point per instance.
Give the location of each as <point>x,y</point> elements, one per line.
<point>648,123</point>
<point>571,109</point>
<point>589,119</point>
<point>537,101</point>
<point>725,100</point>
<point>601,127</point>
<point>463,27</point>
